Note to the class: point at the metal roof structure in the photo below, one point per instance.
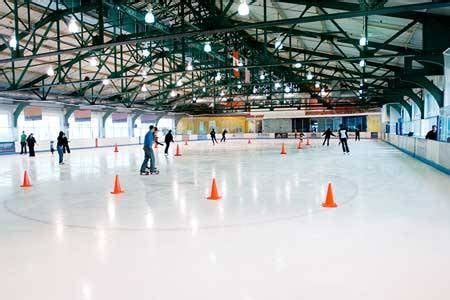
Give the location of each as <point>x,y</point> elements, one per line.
<point>302,54</point>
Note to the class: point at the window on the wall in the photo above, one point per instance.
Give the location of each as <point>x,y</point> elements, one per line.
<point>45,129</point>
<point>83,129</point>
<point>116,129</point>
<point>5,128</point>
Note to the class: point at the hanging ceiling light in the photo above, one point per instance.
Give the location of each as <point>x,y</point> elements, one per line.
<point>207,47</point>
<point>218,76</point>
<point>243,9</point>
<point>239,86</point>
<point>363,41</point>
<point>240,63</point>
<point>309,76</point>
<point>262,76</point>
<point>194,99</point>
<point>144,73</point>
<point>277,85</point>
<point>93,61</point>
<point>180,82</point>
<point>50,72</point>
<point>279,43</point>
<point>149,16</point>
<point>106,81</point>
<point>362,63</point>
<point>13,41</point>
<point>172,93</point>
<point>222,93</point>
<point>287,89</point>
<point>204,89</point>
<point>189,66</point>
<point>144,88</point>
<point>317,85</point>
<point>145,53</point>
<point>297,65</point>
<point>73,26</point>
<point>254,90</point>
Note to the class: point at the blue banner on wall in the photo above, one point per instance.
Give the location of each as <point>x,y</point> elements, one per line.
<point>7,147</point>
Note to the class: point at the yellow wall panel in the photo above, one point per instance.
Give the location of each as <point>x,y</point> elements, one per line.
<point>204,124</point>
<point>374,123</point>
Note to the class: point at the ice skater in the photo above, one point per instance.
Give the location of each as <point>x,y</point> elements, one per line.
<point>213,136</point>
<point>224,137</point>
<point>60,147</point>
<point>328,133</point>
<point>156,138</point>
<point>23,143</point>
<point>52,147</point>
<point>357,134</point>
<point>168,139</point>
<point>31,141</point>
<point>66,144</point>
<point>343,136</point>
<point>148,153</point>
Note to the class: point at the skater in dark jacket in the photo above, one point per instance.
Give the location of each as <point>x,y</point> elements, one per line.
<point>168,139</point>
<point>31,141</point>
<point>357,134</point>
<point>213,136</point>
<point>65,144</point>
<point>328,133</point>
<point>343,136</point>
<point>60,142</point>
<point>224,137</point>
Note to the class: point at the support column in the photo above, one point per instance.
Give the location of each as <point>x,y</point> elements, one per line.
<point>104,118</point>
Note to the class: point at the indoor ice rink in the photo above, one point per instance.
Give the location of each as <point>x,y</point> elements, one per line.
<point>229,150</point>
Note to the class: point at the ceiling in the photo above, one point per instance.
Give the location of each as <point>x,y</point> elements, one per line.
<point>116,59</point>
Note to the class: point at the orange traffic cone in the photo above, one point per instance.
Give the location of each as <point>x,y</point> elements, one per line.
<point>283,149</point>
<point>214,192</point>
<point>116,149</point>
<point>249,141</point>
<point>307,142</point>
<point>329,200</point>
<point>26,180</point>
<point>299,145</point>
<point>117,188</point>
<point>178,153</point>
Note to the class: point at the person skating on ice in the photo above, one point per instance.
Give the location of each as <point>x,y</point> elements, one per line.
<point>168,139</point>
<point>148,153</point>
<point>155,136</point>
<point>328,133</point>
<point>357,134</point>
<point>224,137</point>
<point>31,141</point>
<point>213,136</point>
<point>60,147</point>
<point>23,143</point>
<point>343,137</point>
<point>66,144</point>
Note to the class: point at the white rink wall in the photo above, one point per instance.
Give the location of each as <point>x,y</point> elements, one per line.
<point>436,154</point>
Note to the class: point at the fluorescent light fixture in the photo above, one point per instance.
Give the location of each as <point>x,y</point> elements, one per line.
<point>106,81</point>
<point>12,41</point>
<point>309,76</point>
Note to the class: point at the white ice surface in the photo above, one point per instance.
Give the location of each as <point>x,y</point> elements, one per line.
<point>68,238</point>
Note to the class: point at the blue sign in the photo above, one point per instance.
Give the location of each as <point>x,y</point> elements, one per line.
<point>7,147</point>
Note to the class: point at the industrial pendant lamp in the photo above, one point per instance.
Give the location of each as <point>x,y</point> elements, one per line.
<point>13,41</point>
<point>149,16</point>
<point>50,72</point>
<point>243,9</point>
<point>73,26</point>
<point>207,47</point>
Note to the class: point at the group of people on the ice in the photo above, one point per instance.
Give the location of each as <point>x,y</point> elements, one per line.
<point>213,136</point>
<point>343,137</point>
